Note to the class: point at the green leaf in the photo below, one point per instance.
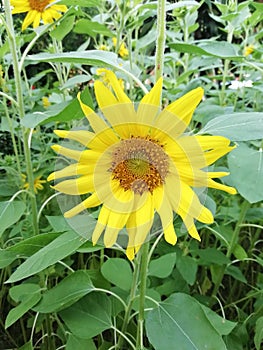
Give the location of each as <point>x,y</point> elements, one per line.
<point>181,320</point>
<point>239,252</point>
<point>258,338</point>
<point>246,172</point>
<point>212,256</point>
<point>77,79</point>
<point>58,249</point>
<point>58,223</point>
<point>221,325</point>
<point>63,28</point>
<point>27,346</point>
<point>91,57</point>
<point>236,273</point>
<point>118,271</point>
<point>10,213</point>
<point>29,295</point>
<point>236,126</point>
<point>74,343</point>
<point>84,26</point>
<point>65,293</point>
<point>163,266</point>
<point>31,245</point>
<point>209,48</point>
<point>81,3</point>
<point>62,112</point>
<point>6,258</point>
<point>89,316</point>
<point>187,267</point>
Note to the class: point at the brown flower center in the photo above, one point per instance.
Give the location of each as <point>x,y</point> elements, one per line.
<point>38,5</point>
<point>140,164</point>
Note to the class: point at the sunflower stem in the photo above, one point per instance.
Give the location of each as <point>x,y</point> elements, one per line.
<point>143,280</point>
<point>130,303</point>
<point>160,42</point>
<point>21,111</point>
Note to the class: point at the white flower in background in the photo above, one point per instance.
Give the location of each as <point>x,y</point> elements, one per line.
<point>236,84</point>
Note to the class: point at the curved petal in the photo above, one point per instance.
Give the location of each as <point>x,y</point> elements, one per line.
<point>75,187</point>
<point>90,202</point>
<point>111,78</point>
<point>164,209</point>
<point>71,170</point>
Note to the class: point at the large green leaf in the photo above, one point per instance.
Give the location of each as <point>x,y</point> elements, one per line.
<point>28,294</point>
<point>118,271</point>
<point>64,245</point>
<point>219,49</point>
<point>163,266</point>
<point>236,126</point>
<point>89,316</point>
<point>6,258</point>
<point>246,172</point>
<point>66,292</point>
<point>181,320</point>
<point>91,57</point>
<point>31,245</point>
<point>74,343</point>
<point>10,213</point>
<point>91,28</point>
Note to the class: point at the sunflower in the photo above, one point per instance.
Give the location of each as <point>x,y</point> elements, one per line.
<point>37,10</point>
<point>138,162</point>
<point>38,183</point>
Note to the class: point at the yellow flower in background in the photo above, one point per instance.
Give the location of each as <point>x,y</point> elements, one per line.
<point>107,77</point>
<point>46,102</point>
<point>38,183</point>
<point>123,51</point>
<point>138,162</point>
<point>248,50</point>
<point>38,10</point>
<point>103,47</point>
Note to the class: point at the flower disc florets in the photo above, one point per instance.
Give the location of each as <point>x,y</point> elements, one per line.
<point>140,164</point>
<point>38,5</point>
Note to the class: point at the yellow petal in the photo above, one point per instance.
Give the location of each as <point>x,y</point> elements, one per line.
<point>115,84</point>
<point>95,121</point>
<point>82,136</point>
<point>102,222</point>
<point>219,186</point>
<point>184,107</point>
<point>184,200</point>
<point>90,202</point>
<point>71,170</point>
<point>29,19</point>
<point>215,154</point>
<point>75,187</point>
<point>104,96</point>
<point>212,142</point>
<point>116,222</point>
<point>169,234</point>
<point>154,96</point>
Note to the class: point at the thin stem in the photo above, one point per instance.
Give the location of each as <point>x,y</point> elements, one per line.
<point>143,280</point>
<point>244,209</point>
<point>160,43</point>
<point>130,303</point>
<point>21,111</point>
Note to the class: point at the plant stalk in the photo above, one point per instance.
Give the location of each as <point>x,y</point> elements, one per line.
<point>160,42</point>
<point>143,283</point>
<point>21,112</point>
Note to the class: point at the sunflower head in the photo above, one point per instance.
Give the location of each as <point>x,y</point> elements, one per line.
<point>38,10</point>
<point>138,163</point>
